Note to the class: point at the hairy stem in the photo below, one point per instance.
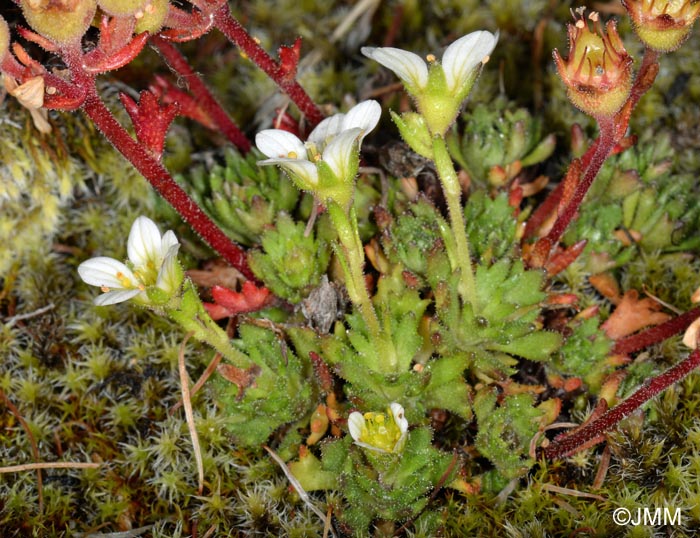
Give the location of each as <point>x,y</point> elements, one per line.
<point>581,438</point>
<point>659,333</point>
<point>594,158</point>
<point>353,259</point>
<point>453,193</point>
<point>152,170</point>
<point>232,29</point>
<point>179,64</point>
<point>191,315</point>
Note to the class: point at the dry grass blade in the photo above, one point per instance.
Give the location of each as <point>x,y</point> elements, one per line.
<point>572,492</point>
<point>48,465</point>
<point>189,413</point>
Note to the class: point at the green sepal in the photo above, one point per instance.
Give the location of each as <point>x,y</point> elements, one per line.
<point>414,131</point>
<point>436,104</point>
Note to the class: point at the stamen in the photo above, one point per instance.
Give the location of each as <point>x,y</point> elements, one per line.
<point>431,58</point>
<point>584,57</point>
<point>124,280</point>
<point>292,155</point>
<point>104,289</point>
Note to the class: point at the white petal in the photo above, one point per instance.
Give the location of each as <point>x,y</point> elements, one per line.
<point>170,274</point>
<point>364,115</point>
<point>144,242</point>
<point>340,151</point>
<point>462,56</point>
<point>399,417</point>
<point>114,297</point>
<point>328,128</point>
<point>373,448</point>
<point>102,271</point>
<point>305,170</point>
<point>356,423</point>
<point>408,66</point>
<point>168,242</point>
<point>275,143</point>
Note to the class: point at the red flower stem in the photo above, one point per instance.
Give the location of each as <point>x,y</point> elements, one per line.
<point>578,440</point>
<point>232,29</point>
<point>163,182</point>
<point>645,77</point>
<point>151,169</point>
<point>599,152</point>
<point>659,333</point>
<point>611,131</point>
<point>178,63</point>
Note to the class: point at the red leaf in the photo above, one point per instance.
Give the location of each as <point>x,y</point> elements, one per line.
<point>289,58</point>
<point>229,303</point>
<point>189,106</point>
<point>150,119</point>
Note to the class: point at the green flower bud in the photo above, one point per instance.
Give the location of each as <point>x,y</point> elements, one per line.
<point>121,8</point>
<point>63,21</point>
<point>414,130</point>
<point>663,25</point>
<point>152,17</point>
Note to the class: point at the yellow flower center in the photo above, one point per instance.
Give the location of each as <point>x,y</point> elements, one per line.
<point>380,431</point>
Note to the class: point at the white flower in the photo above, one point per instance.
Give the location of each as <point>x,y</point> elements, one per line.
<point>438,89</point>
<point>458,61</point>
<point>152,262</point>
<point>332,146</point>
<point>379,432</point>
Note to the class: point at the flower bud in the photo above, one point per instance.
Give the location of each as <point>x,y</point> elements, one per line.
<point>152,17</point>
<point>415,132</point>
<point>598,71</point>
<point>662,25</point>
<point>121,8</point>
<point>63,21</point>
